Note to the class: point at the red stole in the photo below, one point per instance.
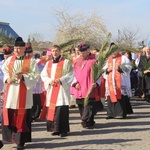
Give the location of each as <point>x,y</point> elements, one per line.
<point>44,109</point>
<point>102,87</point>
<point>55,90</point>
<point>20,113</point>
<point>42,61</point>
<point>114,97</point>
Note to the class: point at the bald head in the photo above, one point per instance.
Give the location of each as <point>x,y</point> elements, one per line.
<point>146,50</point>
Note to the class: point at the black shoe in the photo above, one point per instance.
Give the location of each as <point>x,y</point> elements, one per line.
<point>1,144</point>
<point>63,134</point>
<point>20,146</point>
<point>109,117</point>
<point>72,106</point>
<point>90,125</point>
<point>83,123</point>
<point>55,133</point>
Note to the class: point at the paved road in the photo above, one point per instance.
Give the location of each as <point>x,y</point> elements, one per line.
<point>114,134</point>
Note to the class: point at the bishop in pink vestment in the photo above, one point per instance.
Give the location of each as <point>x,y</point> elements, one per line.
<point>82,84</point>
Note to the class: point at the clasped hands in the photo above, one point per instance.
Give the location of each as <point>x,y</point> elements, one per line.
<point>55,82</point>
<point>16,76</point>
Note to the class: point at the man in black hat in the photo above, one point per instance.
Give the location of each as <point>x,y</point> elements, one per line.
<point>20,75</point>
<point>83,83</point>
<point>29,50</point>
<point>7,52</point>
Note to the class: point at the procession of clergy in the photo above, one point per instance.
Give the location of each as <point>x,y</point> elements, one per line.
<point>35,86</point>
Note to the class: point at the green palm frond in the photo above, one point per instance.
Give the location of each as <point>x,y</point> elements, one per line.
<point>147,65</point>
<point>104,54</point>
<point>144,65</point>
<point>105,43</point>
<point>69,44</point>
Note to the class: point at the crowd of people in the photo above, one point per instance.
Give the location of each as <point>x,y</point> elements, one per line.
<point>41,86</point>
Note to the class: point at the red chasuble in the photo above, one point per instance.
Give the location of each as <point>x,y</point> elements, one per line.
<point>55,89</point>
<point>114,97</point>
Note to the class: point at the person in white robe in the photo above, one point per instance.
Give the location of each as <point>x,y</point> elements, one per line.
<point>57,76</point>
<point>20,76</point>
<point>118,107</point>
<point>7,52</point>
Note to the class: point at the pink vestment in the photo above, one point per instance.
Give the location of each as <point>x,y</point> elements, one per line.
<point>83,76</point>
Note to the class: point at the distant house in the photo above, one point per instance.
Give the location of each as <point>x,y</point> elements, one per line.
<point>7,31</point>
<point>44,45</point>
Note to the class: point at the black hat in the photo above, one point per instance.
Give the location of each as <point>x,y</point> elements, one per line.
<point>19,42</point>
<point>7,50</point>
<point>112,43</point>
<point>36,56</point>
<point>28,49</point>
<point>83,47</point>
<point>44,53</point>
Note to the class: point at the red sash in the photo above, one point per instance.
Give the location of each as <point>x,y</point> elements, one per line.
<point>19,114</point>
<point>114,97</point>
<point>44,109</point>
<point>102,87</point>
<point>42,61</point>
<point>55,90</point>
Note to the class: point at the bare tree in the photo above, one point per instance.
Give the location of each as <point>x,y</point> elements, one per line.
<point>128,37</point>
<point>87,28</point>
<point>34,39</point>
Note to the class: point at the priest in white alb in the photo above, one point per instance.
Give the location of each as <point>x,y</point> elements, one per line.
<point>20,75</point>
<point>57,76</point>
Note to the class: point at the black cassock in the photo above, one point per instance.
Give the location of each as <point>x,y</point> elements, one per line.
<point>10,134</point>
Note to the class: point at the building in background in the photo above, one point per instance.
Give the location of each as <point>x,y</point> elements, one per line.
<point>7,36</point>
<point>7,31</point>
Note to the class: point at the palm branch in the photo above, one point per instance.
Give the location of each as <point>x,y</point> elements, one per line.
<point>68,44</point>
<point>144,65</point>
<point>105,52</point>
<point>147,65</point>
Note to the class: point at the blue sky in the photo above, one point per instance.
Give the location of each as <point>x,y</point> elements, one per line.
<point>36,16</point>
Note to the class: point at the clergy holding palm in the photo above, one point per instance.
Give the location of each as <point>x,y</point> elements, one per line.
<point>20,76</point>
<point>118,86</point>
<point>83,82</point>
<point>57,76</point>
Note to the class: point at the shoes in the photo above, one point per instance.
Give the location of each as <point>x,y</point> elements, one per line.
<point>1,144</point>
<point>55,133</point>
<point>90,124</point>
<point>20,146</point>
<point>63,134</point>
<point>109,117</point>
<point>83,124</point>
<point>87,125</point>
<point>72,106</point>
